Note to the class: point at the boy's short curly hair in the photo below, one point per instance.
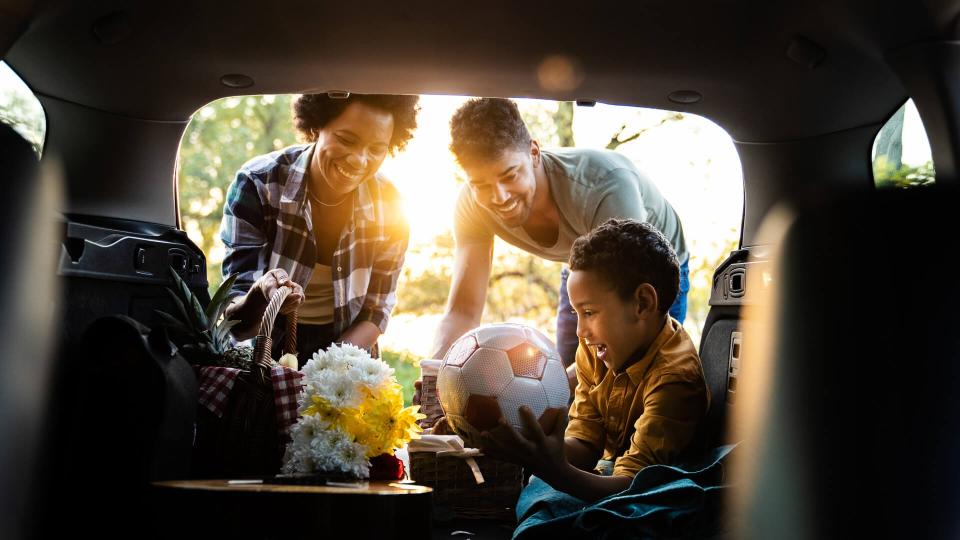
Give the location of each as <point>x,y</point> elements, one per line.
<point>483,128</point>
<point>627,253</point>
<point>313,111</point>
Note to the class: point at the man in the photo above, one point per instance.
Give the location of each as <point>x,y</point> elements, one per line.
<point>539,201</point>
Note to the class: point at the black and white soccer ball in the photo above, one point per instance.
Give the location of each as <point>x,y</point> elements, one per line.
<point>491,371</point>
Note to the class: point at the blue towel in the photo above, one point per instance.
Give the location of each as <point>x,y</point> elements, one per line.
<point>662,501</point>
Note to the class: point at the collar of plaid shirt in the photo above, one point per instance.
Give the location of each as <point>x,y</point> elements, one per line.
<point>294,194</point>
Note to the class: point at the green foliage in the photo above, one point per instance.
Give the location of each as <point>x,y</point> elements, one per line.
<point>619,138</point>
<point>703,262</point>
<point>406,367</point>
<point>888,175</point>
<point>220,138</point>
<point>424,290</point>
<point>20,110</point>
<point>550,123</point>
<point>523,286</point>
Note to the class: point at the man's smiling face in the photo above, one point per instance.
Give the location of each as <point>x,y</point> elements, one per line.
<point>506,185</point>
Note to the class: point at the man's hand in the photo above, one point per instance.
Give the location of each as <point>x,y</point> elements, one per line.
<point>417,391</point>
<point>472,264</point>
<point>539,448</point>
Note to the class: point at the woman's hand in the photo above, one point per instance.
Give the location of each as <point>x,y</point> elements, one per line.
<point>271,281</point>
<point>248,309</point>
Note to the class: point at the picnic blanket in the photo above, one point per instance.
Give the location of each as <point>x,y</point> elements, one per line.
<point>216,382</point>
<point>662,501</point>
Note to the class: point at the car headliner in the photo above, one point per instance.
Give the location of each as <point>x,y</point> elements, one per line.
<point>164,59</point>
<point>768,72</point>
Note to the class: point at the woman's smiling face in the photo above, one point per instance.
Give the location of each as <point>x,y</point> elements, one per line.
<point>351,147</point>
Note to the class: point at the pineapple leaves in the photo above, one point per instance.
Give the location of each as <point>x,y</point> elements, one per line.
<point>171,322</point>
<point>218,303</point>
<point>221,333</point>
<point>185,318</point>
<point>198,313</point>
<point>207,330</point>
<point>194,313</point>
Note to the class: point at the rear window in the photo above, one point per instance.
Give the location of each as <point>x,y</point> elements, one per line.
<point>901,151</point>
<point>691,160</point>
<point>20,109</point>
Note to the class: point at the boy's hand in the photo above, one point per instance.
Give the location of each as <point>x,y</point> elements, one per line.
<point>539,448</point>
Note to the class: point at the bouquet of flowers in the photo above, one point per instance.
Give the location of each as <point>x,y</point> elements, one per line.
<point>351,409</point>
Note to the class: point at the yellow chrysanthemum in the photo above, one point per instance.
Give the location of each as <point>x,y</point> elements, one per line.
<point>323,409</point>
<point>403,427</point>
<point>380,422</point>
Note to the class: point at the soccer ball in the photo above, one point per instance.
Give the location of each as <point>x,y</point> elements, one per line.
<point>494,369</point>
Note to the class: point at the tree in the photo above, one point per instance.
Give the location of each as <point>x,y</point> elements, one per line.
<point>563,120</point>
<point>888,175</point>
<point>423,290</point>
<point>550,124</point>
<point>890,139</point>
<point>702,266</point>
<point>618,138</point>
<point>22,111</point>
<point>219,139</point>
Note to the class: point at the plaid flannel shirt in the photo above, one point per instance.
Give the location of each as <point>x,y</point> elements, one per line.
<point>267,224</point>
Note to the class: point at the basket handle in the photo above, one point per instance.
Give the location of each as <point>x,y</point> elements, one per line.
<point>263,342</point>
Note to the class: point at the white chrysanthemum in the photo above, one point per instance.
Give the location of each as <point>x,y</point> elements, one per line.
<point>320,361</point>
<point>351,354</point>
<point>352,457</point>
<point>342,391</point>
<point>342,376</point>
<point>318,383</point>
<point>368,375</point>
<point>302,449</point>
<point>379,370</point>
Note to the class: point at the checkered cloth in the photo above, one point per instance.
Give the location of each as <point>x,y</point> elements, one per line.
<point>286,388</point>
<point>216,383</point>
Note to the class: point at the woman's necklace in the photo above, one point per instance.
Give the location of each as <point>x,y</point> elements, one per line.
<point>315,198</point>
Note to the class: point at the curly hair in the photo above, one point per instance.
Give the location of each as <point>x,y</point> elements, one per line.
<point>483,128</point>
<point>313,111</point>
<point>628,253</point>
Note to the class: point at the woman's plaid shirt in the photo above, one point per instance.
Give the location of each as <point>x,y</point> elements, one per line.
<point>267,224</point>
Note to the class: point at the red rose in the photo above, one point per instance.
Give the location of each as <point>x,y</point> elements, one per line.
<point>386,467</point>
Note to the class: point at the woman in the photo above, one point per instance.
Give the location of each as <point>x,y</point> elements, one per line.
<point>318,218</point>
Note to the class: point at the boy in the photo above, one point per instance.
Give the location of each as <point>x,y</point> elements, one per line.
<point>640,392</point>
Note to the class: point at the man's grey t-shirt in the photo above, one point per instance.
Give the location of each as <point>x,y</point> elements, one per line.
<point>589,187</point>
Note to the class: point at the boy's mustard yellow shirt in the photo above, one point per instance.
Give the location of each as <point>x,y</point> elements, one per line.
<point>647,414</point>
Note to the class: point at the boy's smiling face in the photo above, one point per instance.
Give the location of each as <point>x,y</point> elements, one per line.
<point>614,327</point>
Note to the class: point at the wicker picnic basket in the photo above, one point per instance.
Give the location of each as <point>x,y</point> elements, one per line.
<point>245,441</point>
<point>456,493</point>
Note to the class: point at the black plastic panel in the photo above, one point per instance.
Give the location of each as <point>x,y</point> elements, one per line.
<point>120,267</point>
<point>730,280</point>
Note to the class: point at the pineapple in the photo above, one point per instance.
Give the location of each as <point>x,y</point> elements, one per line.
<point>206,332</point>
